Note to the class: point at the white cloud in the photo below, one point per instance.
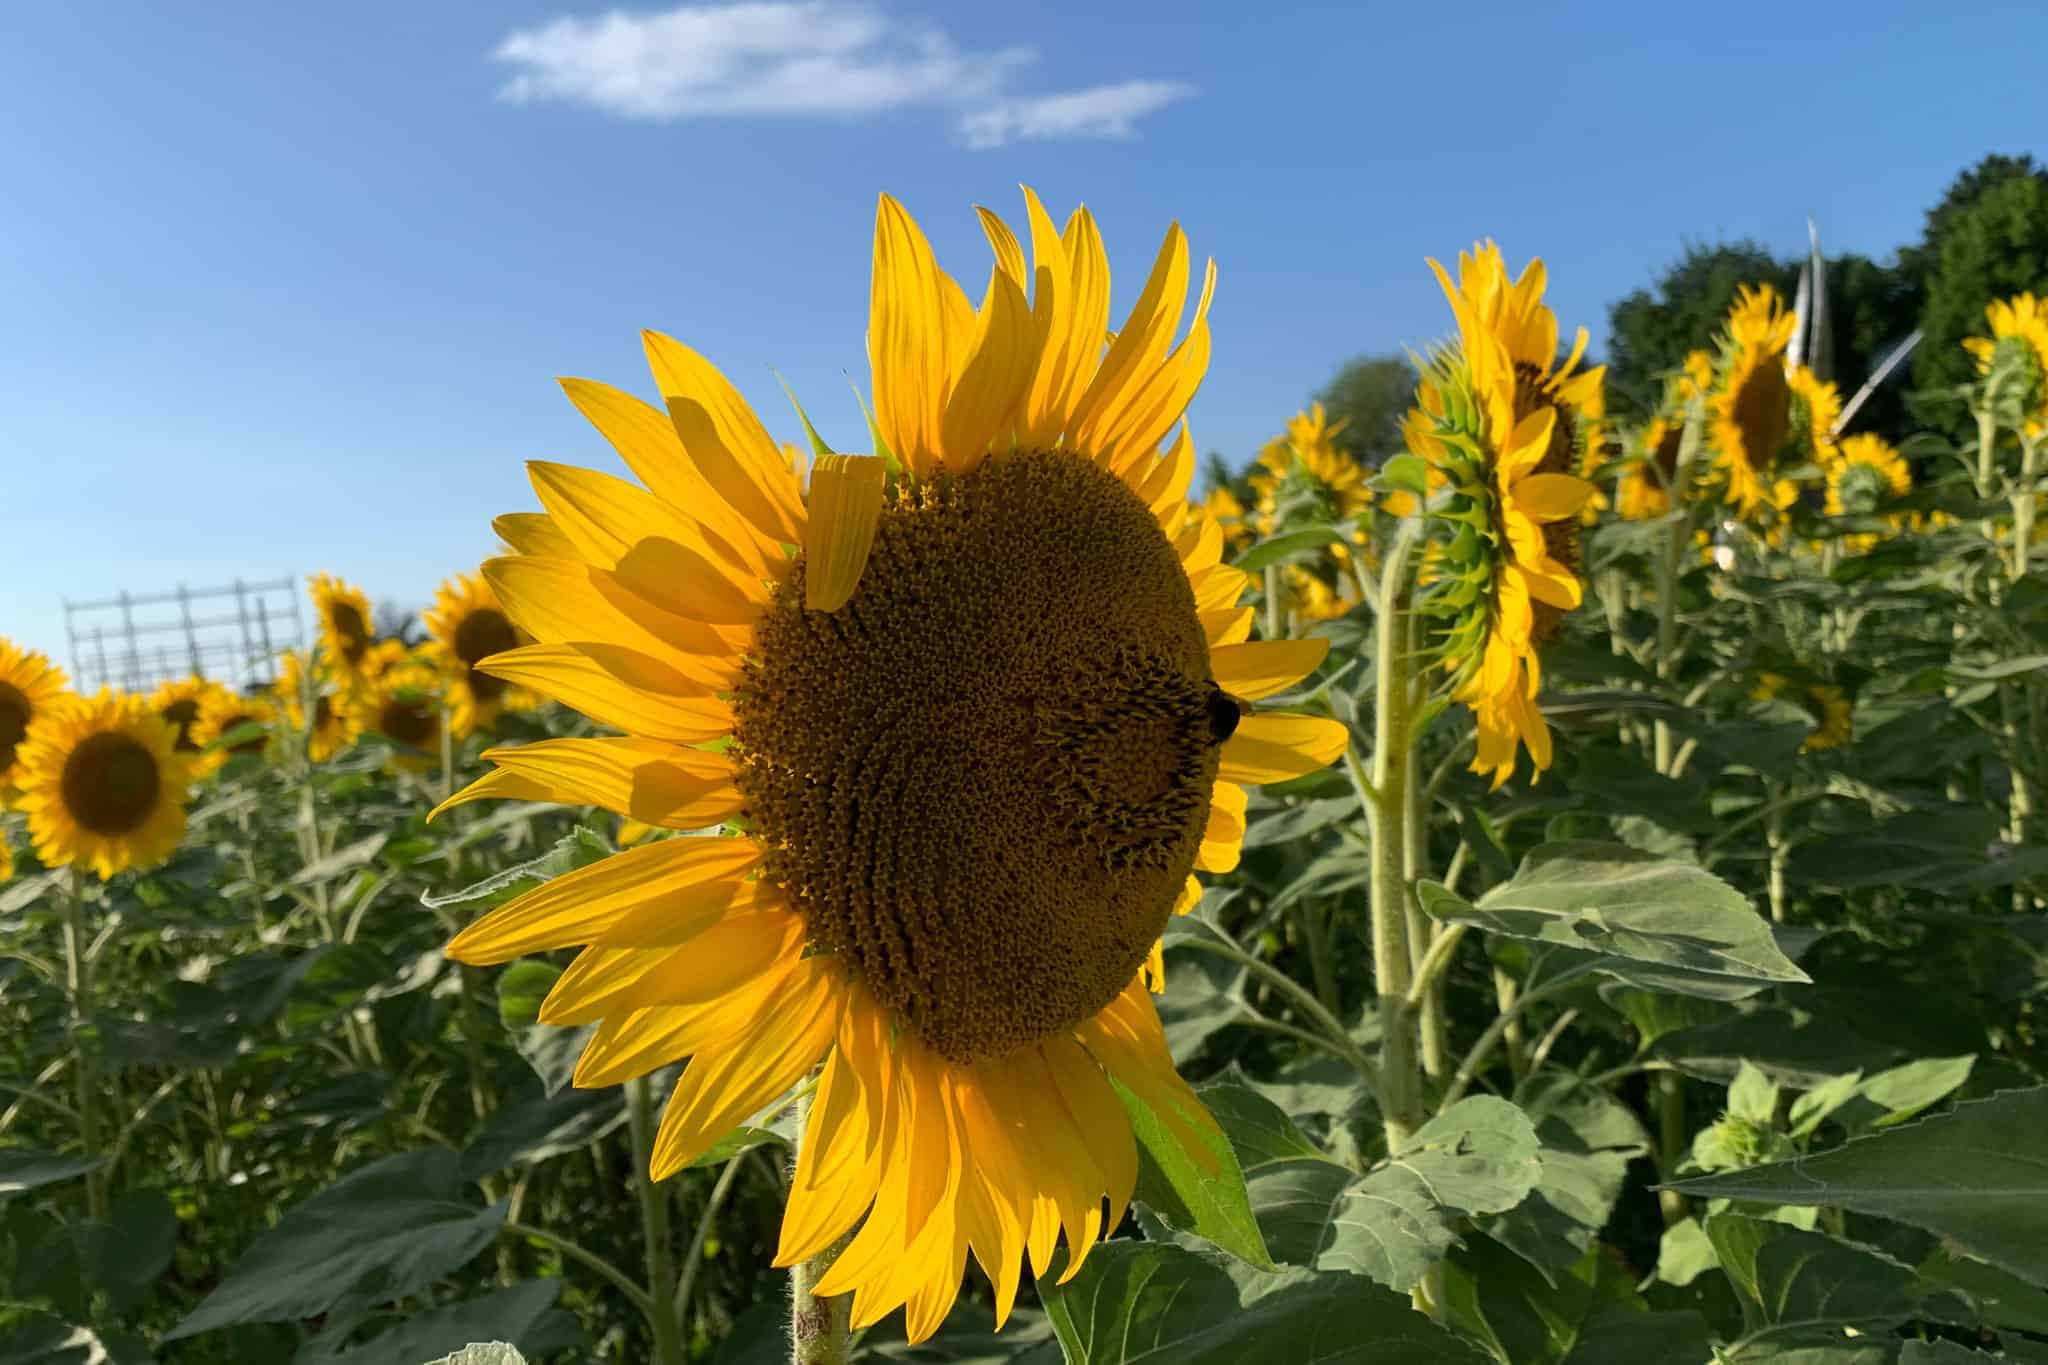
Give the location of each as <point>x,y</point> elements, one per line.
<point>802,57</point>
<point>1100,111</point>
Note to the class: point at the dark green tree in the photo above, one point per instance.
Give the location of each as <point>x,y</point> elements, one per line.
<point>1371,393</point>
<point>1650,331</point>
<point>1995,247</point>
<point>1871,308</point>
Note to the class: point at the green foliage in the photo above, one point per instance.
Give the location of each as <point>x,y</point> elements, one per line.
<point>1995,247</point>
<point>1650,331</point>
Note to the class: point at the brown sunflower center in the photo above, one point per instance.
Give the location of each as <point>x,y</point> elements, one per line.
<point>409,721</point>
<point>983,781</point>
<point>350,629</point>
<point>236,722</point>
<point>1560,538</point>
<point>1763,411</point>
<point>1665,454</point>
<point>181,714</point>
<point>481,634</point>
<point>14,714</point>
<point>111,783</point>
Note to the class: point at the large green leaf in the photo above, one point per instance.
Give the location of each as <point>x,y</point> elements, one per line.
<point>1628,907</point>
<point>388,1229</point>
<point>1158,1304</point>
<point>1588,1140</point>
<point>523,1314</point>
<point>1803,1289</point>
<point>1205,1195</point>
<point>25,1168</point>
<point>39,1339</point>
<point>117,1260</point>
<point>1977,1175</point>
<point>1396,1221</point>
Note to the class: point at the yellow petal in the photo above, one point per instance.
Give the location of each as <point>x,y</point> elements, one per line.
<point>660,784</point>
<point>631,1043</point>
<point>1232,625</point>
<point>726,445</point>
<point>982,406</point>
<point>691,584</point>
<point>846,506</point>
<point>906,339</point>
<point>1259,668</point>
<point>681,916</point>
<point>532,533</point>
<point>646,440</point>
<point>1009,255</point>
<point>720,1088</point>
<point>600,514</point>
<point>1139,346</point>
<point>557,601</point>
<point>1274,746</point>
<point>1101,1118</point>
<point>1552,497</point>
<point>578,907</point>
<point>657,703</point>
<point>719,959</point>
<point>495,786</point>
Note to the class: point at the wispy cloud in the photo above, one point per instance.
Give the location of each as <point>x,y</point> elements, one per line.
<point>804,57</point>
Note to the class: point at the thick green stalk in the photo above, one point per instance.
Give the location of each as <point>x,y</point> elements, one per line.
<point>2023,499</point>
<point>1667,576</point>
<point>85,1065</point>
<point>818,1327</point>
<point>1393,959</point>
<point>661,1270</point>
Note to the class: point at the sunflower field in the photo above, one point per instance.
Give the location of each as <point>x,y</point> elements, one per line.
<point>1573,892</point>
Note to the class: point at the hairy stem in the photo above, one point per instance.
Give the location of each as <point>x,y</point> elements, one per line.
<point>661,1271</point>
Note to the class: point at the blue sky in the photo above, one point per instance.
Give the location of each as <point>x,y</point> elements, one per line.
<point>284,288</point>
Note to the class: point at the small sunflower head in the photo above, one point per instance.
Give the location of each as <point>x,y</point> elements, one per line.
<point>103,784</point>
<point>344,614</point>
<point>403,704</point>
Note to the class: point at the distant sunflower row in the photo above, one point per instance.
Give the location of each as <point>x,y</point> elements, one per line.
<point>103,780</point>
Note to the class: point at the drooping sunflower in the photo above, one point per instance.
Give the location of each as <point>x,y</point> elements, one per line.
<point>2017,350</point>
<point>333,728</point>
<point>345,630</point>
<point>403,704</point>
<point>1304,464</point>
<point>1825,702</point>
<point>179,702</point>
<point>28,684</point>
<point>1866,474</point>
<point>222,713</point>
<point>1498,417</point>
<point>987,711</point>
<point>468,626</point>
<point>103,784</point>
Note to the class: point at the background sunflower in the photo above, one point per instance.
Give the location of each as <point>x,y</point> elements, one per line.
<point>103,785</point>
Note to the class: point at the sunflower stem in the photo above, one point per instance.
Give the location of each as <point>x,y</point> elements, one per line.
<point>661,1270</point>
<point>2023,499</point>
<point>818,1327</point>
<point>85,1066</point>
<point>1667,573</point>
<point>1387,810</point>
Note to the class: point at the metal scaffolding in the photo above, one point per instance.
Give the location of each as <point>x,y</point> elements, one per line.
<point>131,642</point>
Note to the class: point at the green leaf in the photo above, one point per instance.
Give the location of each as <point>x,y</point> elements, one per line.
<point>39,1339</point>
<point>1407,473</point>
<point>1753,1096</point>
<point>1977,1175</point>
<point>1392,1224</point>
<point>525,1312</point>
<point>118,1260</point>
<point>578,848</point>
<point>25,1168</point>
<point>485,1353</point>
<point>2000,1299</point>
<point>1802,1288</point>
<point>536,1126</point>
<point>1588,1140</point>
<point>521,989</point>
<point>1208,1200</point>
<point>1276,548</point>
<point>343,859</point>
<point>1153,1303</point>
<point>1684,1253</point>
<point>1628,906</point>
<point>1259,1130</point>
<point>386,1230</point>
<point>1901,1093</point>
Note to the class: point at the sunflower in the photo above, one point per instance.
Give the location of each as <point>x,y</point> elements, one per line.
<point>1866,473</point>
<point>1499,423</point>
<point>468,626</point>
<point>1643,491</point>
<point>403,704</point>
<point>6,859</point>
<point>334,727</point>
<point>179,703</point>
<point>1751,407</point>
<point>985,700</point>
<point>103,784</point>
<point>28,684</point>
<point>345,631</point>
<point>1304,464</point>
<point>2018,348</point>
<point>1309,595</point>
<point>1824,701</point>
<point>1816,409</point>
<point>222,713</point>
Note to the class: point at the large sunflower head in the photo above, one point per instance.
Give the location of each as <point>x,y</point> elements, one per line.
<point>1751,406</point>
<point>222,713</point>
<point>403,704</point>
<point>468,626</point>
<point>28,684</point>
<point>301,676</point>
<point>1647,483</point>
<point>2014,358</point>
<point>103,784</point>
<point>980,716</point>
<point>1500,426</point>
<point>345,630</point>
